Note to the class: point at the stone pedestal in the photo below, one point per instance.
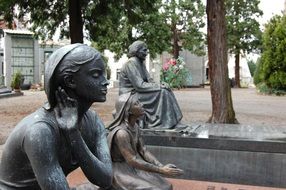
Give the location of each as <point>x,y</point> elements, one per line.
<point>240,154</point>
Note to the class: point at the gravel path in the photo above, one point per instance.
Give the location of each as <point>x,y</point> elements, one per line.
<point>250,107</point>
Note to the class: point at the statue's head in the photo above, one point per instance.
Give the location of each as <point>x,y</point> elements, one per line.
<point>126,105</point>
<point>79,70</point>
<point>138,49</point>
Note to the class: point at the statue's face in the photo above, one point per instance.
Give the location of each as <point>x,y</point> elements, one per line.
<point>91,84</point>
<point>137,109</point>
<point>142,53</point>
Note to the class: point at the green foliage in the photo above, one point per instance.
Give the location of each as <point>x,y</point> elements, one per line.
<point>174,73</point>
<point>185,21</point>
<point>152,21</point>
<point>130,21</point>
<point>272,70</point>
<point>252,67</point>
<point>263,88</point>
<point>243,32</point>
<point>16,80</point>
<point>257,78</point>
<point>115,24</point>
<point>46,16</point>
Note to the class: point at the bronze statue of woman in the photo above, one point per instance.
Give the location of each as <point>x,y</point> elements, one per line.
<point>64,134</point>
<point>161,107</point>
<point>134,167</point>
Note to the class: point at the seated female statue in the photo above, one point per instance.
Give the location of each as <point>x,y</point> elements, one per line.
<point>64,134</point>
<point>160,105</point>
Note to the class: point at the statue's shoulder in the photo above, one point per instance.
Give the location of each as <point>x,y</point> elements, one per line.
<point>92,115</point>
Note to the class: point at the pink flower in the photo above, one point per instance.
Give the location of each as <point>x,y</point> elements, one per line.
<point>172,62</point>
<point>165,66</point>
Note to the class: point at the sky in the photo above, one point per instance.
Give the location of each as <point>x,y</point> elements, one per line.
<point>270,8</point>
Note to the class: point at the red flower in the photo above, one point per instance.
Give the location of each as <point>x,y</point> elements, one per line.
<point>172,62</point>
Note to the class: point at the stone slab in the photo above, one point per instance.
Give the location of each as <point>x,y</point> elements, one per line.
<point>251,155</point>
<point>5,90</point>
<point>11,94</point>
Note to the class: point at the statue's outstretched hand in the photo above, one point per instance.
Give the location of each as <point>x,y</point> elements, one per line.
<point>165,85</point>
<point>66,111</point>
<point>171,170</point>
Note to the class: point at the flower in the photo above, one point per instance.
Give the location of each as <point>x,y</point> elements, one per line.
<point>172,62</point>
<point>174,73</point>
<point>165,66</point>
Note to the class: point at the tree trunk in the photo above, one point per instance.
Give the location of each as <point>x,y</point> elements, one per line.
<point>237,70</point>
<point>222,108</point>
<point>75,22</point>
<point>176,47</point>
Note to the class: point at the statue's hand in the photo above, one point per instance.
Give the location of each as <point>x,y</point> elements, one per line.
<point>171,170</point>
<point>165,85</point>
<point>66,111</point>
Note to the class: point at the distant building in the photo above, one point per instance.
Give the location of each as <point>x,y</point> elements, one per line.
<point>20,51</point>
<point>244,72</point>
<point>20,54</point>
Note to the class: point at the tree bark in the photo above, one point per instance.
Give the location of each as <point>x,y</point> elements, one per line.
<point>237,70</point>
<point>75,21</point>
<point>176,47</point>
<point>222,108</point>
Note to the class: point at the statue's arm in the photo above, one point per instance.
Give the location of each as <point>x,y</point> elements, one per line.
<point>40,145</point>
<point>147,155</point>
<point>97,167</point>
<point>96,170</point>
<point>137,81</point>
<point>122,139</point>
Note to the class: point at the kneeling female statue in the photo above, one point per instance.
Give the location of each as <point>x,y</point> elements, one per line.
<point>134,167</point>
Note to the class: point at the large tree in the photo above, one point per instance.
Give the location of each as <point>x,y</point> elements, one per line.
<point>185,21</point>
<point>47,16</point>
<point>133,20</point>
<point>222,108</point>
<point>114,24</point>
<point>164,25</point>
<point>72,17</point>
<point>243,32</point>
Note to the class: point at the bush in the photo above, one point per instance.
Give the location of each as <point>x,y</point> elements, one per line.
<point>263,88</point>
<point>16,80</point>
<point>272,69</point>
<point>174,73</point>
<point>257,78</point>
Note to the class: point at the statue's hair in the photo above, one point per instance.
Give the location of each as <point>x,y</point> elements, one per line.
<point>72,62</point>
<point>134,47</point>
<point>123,106</point>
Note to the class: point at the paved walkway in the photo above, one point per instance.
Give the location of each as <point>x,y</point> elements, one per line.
<point>77,178</point>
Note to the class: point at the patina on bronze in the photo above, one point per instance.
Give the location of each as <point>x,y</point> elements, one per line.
<point>159,102</point>
<point>64,134</point>
<point>134,167</point>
